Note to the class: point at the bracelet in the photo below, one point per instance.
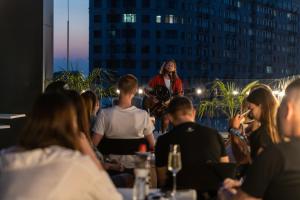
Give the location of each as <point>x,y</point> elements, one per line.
<point>237,133</point>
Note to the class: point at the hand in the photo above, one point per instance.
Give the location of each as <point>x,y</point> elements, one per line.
<point>236,121</point>
<point>152,119</point>
<point>154,99</point>
<point>231,185</point>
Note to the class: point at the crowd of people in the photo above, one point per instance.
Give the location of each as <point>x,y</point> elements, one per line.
<point>71,148</point>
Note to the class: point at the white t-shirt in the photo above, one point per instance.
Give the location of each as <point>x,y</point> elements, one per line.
<point>168,83</point>
<point>53,173</point>
<point>119,123</point>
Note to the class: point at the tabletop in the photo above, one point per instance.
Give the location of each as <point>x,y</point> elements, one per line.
<point>180,195</point>
<point>11,116</point>
<point>4,126</point>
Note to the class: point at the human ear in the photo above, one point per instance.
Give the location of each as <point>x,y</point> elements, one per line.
<point>289,111</point>
<point>194,113</point>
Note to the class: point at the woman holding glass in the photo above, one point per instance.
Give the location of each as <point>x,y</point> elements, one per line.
<point>263,108</point>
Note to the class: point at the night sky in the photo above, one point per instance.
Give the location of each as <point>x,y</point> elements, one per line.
<point>79,29</point>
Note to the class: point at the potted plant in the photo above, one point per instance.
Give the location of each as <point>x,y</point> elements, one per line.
<point>100,80</point>
<point>224,98</point>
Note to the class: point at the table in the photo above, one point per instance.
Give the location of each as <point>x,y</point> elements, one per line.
<point>180,195</point>
<point>11,116</point>
<point>4,126</point>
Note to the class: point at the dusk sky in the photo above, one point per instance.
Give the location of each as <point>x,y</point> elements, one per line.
<point>79,30</point>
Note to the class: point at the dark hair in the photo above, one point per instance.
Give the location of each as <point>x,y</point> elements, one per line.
<point>52,122</point>
<point>180,104</point>
<point>128,84</point>
<point>57,86</point>
<point>269,105</point>
<point>90,100</point>
<point>81,112</point>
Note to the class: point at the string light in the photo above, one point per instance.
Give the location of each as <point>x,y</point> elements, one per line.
<point>198,91</point>
<point>140,91</point>
<point>118,91</point>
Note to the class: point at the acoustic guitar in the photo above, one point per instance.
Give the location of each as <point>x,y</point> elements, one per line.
<point>156,101</point>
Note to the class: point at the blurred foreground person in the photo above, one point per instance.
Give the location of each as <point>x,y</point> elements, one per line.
<point>49,161</point>
<point>275,174</point>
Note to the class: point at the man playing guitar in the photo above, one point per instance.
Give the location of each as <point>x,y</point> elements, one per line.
<point>168,78</point>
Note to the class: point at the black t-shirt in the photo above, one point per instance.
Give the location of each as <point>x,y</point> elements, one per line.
<point>275,174</point>
<point>198,144</point>
<point>259,139</point>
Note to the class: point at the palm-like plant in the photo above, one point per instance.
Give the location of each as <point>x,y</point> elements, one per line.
<point>100,80</point>
<point>225,99</point>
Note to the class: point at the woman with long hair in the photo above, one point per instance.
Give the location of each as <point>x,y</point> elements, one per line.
<point>169,79</point>
<point>83,124</point>
<point>263,108</point>
<point>92,105</point>
<point>50,160</point>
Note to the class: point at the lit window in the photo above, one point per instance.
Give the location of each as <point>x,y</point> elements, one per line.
<point>170,19</point>
<point>269,69</point>
<point>158,19</point>
<point>129,18</point>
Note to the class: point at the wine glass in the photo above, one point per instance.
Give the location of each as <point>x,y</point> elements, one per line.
<point>174,164</point>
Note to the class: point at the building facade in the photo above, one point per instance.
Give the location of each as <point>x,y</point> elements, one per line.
<point>209,39</point>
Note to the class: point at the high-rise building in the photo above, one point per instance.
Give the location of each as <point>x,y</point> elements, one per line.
<point>226,39</point>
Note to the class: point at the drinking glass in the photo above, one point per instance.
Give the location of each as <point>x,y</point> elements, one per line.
<point>174,164</point>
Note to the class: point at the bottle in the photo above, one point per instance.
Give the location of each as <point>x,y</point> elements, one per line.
<point>142,169</point>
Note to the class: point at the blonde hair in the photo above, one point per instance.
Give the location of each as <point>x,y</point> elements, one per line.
<point>128,84</point>
<point>162,70</point>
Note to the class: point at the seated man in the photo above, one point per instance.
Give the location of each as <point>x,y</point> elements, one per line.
<point>199,145</point>
<point>275,174</point>
<point>124,121</point>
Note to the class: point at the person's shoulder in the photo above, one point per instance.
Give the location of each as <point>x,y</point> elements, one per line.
<point>274,150</point>
<point>164,137</point>
<point>206,129</point>
<point>104,111</point>
<point>139,111</point>
<point>38,157</point>
<point>288,147</point>
<point>178,79</point>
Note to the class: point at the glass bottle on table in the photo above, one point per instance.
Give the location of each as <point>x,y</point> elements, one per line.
<point>142,169</point>
<point>174,165</point>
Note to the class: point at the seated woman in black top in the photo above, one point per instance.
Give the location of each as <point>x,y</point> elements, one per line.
<point>263,106</point>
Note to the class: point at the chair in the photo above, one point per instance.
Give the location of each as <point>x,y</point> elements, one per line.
<point>121,146</point>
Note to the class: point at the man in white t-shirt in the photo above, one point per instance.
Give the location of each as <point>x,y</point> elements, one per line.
<point>124,121</point>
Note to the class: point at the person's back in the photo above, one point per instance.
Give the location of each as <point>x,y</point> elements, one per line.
<point>124,123</point>
<point>52,159</point>
<point>123,127</point>
<point>199,144</point>
<point>280,165</point>
<point>52,173</point>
